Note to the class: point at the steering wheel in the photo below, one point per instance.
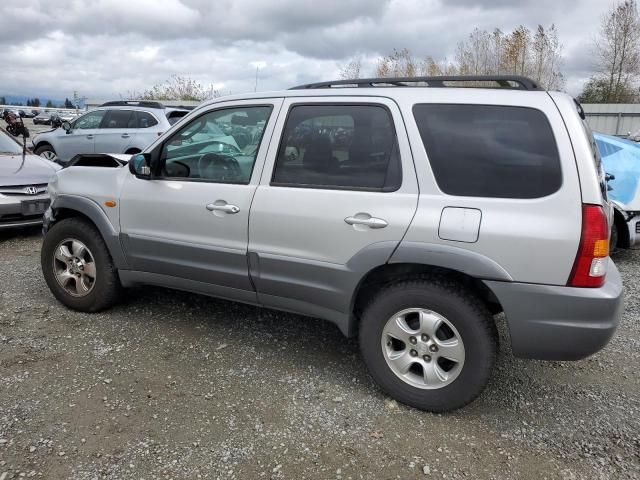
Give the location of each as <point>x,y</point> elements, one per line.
<point>219,167</point>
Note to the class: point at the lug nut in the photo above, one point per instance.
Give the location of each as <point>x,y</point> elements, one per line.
<point>426,358</point>
<point>412,340</point>
<point>413,353</point>
<point>433,348</point>
<point>425,337</point>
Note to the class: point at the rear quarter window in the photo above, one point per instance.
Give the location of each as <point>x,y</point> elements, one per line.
<point>490,151</point>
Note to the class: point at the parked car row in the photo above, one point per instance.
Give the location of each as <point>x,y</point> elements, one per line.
<point>114,127</point>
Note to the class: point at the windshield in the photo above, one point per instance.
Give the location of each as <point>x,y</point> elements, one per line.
<point>8,145</point>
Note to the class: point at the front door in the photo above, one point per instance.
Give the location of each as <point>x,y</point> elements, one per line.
<point>338,193</point>
<point>81,137</point>
<point>190,221</point>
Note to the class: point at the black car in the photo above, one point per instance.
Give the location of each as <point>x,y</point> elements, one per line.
<point>43,118</point>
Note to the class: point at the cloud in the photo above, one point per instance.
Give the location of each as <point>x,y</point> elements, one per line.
<point>104,48</point>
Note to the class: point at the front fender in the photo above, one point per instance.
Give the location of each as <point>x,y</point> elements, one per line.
<point>90,209</point>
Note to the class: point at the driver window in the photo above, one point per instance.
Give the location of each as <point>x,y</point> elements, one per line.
<point>220,146</point>
<point>90,120</point>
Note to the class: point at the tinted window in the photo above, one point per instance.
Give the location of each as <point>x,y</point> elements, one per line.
<point>338,146</point>
<point>490,151</point>
<point>220,146</point>
<point>146,120</point>
<point>120,119</point>
<point>90,120</point>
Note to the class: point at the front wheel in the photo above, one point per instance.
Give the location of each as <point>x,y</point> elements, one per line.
<point>430,344</point>
<point>47,151</point>
<point>77,266</point>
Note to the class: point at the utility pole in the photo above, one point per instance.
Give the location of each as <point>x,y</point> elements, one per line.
<point>255,87</point>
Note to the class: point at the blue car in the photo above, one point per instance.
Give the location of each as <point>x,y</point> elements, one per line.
<point>621,162</point>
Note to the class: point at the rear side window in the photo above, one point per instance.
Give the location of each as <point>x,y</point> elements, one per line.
<point>338,147</point>
<point>490,151</point>
<point>146,120</point>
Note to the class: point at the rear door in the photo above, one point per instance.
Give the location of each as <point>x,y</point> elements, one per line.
<point>338,185</point>
<point>116,132</point>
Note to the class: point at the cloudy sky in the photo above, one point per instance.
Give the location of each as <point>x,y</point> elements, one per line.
<point>107,48</point>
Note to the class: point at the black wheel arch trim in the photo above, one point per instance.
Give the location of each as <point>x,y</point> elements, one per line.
<point>90,209</point>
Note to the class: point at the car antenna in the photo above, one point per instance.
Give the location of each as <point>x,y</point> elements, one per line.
<point>17,128</point>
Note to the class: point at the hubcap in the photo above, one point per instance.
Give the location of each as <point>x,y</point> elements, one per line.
<point>423,348</point>
<point>49,155</point>
<point>74,267</point>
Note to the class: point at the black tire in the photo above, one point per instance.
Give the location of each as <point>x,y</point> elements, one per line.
<point>106,289</point>
<point>463,310</point>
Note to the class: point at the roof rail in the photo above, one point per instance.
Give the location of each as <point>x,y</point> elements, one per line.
<point>133,103</point>
<point>515,82</point>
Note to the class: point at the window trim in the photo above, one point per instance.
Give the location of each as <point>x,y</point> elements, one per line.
<point>334,103</point>
<point>160,147</point>
<point>525,107</point>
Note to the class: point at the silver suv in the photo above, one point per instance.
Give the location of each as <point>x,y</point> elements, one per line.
<point>406,211</point>
<point>114,127</point>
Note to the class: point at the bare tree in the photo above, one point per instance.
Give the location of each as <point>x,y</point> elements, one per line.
<point>351,70</point>
<point>177,88</point>
<point>399,64</point>
<point>617,49</point>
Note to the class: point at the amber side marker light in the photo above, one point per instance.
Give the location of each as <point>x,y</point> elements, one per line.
<point>110,203</point>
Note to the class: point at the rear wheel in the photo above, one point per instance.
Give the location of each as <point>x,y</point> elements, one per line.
<point>430,344</point>
<point>47,151</point>
<point>77,266</point>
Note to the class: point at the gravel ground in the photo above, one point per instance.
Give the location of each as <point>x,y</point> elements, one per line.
<point>173,385</point>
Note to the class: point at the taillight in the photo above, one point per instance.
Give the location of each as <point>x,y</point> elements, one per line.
<point>590,267</point>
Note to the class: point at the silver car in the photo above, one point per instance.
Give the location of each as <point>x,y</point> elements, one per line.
<point>23,185</point>
<point>115,127</point>
<point>407,211</point>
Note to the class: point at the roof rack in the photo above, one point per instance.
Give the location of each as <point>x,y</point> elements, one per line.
<point>515,82</point>
<point>133,103</point>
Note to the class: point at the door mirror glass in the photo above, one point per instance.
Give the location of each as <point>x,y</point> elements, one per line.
<point>66,126</point>
<point>139,165</point>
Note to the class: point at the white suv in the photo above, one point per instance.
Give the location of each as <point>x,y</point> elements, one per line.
<point>114,127</point>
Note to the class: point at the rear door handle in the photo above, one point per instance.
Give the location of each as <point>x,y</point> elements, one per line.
<point>223,207</point>
<point>366,220</point>
<point>125,135</point>
<point>89,137</point>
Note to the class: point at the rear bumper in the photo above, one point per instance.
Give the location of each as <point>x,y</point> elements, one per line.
<point>560,323</point>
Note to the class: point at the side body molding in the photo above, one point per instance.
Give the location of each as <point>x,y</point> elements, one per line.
<point>453,258</point>
<point>92,210</point>
<point>318,289</point>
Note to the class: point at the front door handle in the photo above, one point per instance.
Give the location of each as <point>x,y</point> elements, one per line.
<point>366,220</point>
<point>89,137</point>
<point>223,207</point>
<point>125,135</point>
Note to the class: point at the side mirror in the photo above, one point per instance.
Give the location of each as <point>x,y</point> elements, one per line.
<point>66,126</point>
<point>140,165</point>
